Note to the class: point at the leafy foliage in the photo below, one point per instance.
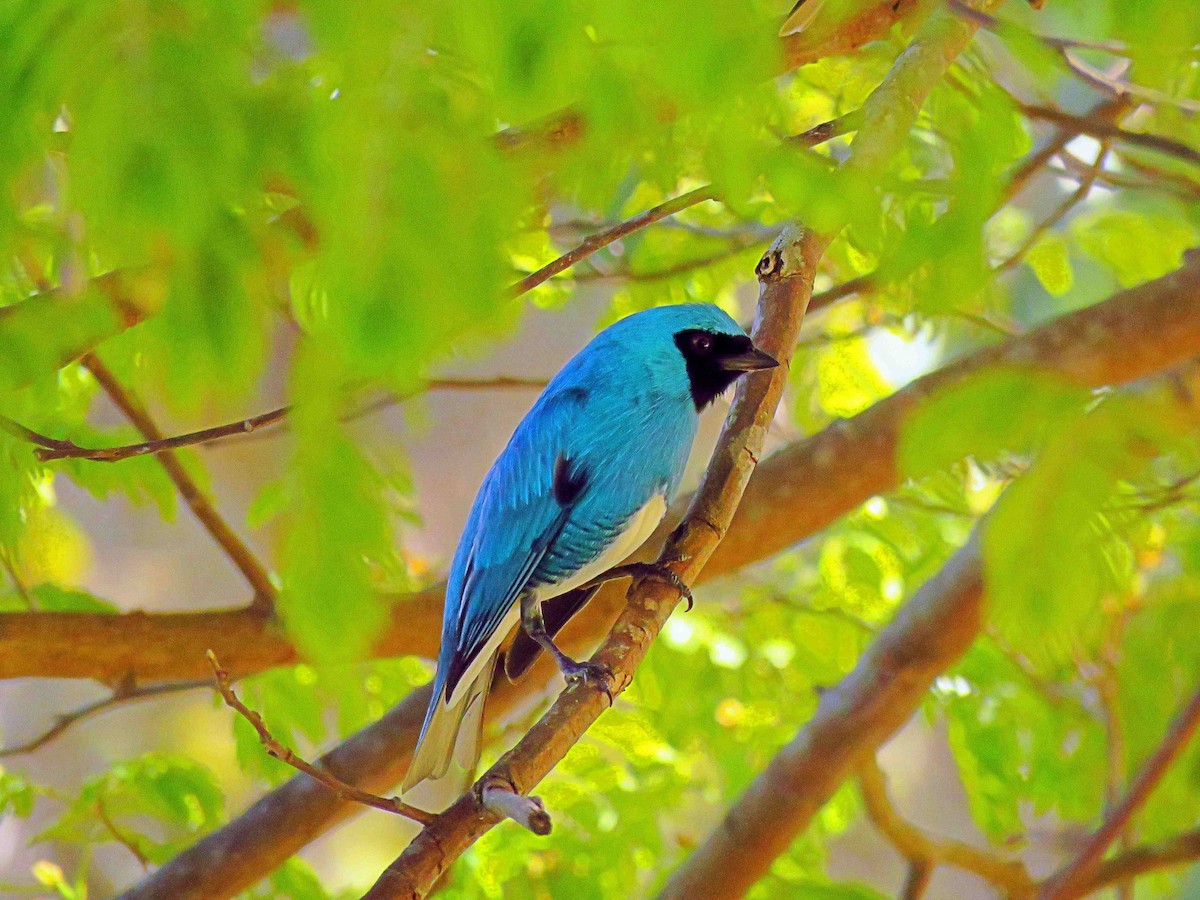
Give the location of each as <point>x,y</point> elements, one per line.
<point>290,197</point>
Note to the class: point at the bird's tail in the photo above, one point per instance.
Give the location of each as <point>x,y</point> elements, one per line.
<point>447,752</point>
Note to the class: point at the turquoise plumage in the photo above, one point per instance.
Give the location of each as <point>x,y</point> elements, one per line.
<point>584,480</point>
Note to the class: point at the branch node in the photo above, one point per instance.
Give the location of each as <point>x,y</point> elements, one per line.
<point>501,799</point>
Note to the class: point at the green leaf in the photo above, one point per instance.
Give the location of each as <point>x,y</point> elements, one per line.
<point>17,794</point>
<point>1136,247</point>
<point>1051,263</point>
<point>988,414</point>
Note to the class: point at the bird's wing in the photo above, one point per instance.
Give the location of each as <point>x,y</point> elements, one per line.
<point>524,503</point>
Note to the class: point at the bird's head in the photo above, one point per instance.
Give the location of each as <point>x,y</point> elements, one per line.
<point>705,344</point>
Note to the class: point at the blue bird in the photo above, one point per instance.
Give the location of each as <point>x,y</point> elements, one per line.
<point>585,479</point>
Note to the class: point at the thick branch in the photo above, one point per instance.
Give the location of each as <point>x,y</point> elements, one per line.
<point>787,272</point>
<point>932,631</point>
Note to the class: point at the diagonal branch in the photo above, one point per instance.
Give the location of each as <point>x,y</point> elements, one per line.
<point>237,551</point>
<point>851,722</point>
<point>794,494</point>
<point>1067,881</point>
<point>924,853</point>
<point>288,756</point>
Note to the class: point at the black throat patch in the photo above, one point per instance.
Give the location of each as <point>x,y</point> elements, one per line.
<point>703,352</point>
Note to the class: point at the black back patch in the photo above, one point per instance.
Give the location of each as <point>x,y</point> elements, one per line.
<point>569,481</point>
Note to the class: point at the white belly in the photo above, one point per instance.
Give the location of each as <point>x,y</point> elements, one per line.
<point>640,527</point>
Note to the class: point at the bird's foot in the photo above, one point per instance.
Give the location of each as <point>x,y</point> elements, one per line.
<point>660,572</point>
<point>585,671</point>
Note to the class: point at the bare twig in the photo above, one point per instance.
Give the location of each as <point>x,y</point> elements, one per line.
<point>924,852</point>
<point>237,551</point>
<point>53,449</point>
<point>119,697</point>
<point>1066,882</point>
<point>1102,128</point>
<point>120,837</point>
<point>592,243</point>
<point>285,755</point>
<point>1115,86</point>
<point>1060,212</point>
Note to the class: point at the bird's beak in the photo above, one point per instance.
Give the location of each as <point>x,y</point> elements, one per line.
<point>750,361</point>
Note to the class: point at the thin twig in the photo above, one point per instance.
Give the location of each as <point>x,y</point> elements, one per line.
<point>120,837</point>
<point>284,754</point>
<point>1066,882</point>
<point>55,449</point>
<point>1060,212</point>
<point>118,697</point>
<point>1100,128</point>
<point>925,852</point>
<point>18,583</point>
<point>601,239</point>
<point>666,272</point>
<point>237,551</point>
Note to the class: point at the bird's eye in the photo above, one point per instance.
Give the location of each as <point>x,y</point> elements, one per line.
<point>702,343</point>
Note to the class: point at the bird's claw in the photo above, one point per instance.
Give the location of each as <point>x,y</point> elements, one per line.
<point>663,573</point>
<point>600,674</point>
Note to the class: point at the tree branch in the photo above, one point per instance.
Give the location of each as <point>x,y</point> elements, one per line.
<point>852,720</point>
<point>1067,881</point>
<point>53,448</point>
<point>786,273</point>
<point>925,853</point>
<point>1101,128</point>
<point>237,551</point>
<point>122,695</point>
<point>1183,848</point>
<point>794,494</point>
<point>286,755</point>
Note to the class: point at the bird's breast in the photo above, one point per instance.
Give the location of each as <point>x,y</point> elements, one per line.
<point>636,531</point>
